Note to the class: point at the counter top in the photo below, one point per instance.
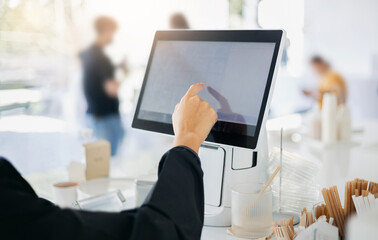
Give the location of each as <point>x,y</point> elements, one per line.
<point>338,163</point>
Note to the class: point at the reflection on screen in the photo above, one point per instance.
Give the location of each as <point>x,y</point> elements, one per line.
<point>234,73</point>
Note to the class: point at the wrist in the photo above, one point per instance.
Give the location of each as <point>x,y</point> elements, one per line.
<point>189,140</point>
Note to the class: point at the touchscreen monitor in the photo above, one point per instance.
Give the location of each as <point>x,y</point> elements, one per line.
<point>236,67</point>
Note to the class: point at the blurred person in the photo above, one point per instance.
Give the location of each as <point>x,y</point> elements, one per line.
<point>329,81</point>
<point>101,87</point>
<point>178,21</point>
<point>173,210</point>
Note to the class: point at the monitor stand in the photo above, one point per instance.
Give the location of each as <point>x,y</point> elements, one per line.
<point>225,167</point>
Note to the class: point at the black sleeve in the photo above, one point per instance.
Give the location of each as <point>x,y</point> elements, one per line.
<point>105,68</point>
<point>97,69</point>
<point>174,209</point>
<point>98,66</point>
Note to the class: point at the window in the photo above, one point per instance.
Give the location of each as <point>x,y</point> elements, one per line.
<point>288,15</point>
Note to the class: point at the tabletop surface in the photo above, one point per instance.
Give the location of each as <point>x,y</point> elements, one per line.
<point>338,163</point>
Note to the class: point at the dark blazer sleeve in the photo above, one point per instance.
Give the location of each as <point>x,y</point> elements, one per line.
<point>173,210</point>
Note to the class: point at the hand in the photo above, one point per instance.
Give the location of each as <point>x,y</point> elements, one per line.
<point>312,94</point>
<point>307,93</point>
<point>125,66</point>
<point>111,87</point>
<point>193,119</point>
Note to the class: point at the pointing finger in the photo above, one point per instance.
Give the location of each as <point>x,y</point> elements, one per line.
<point>194,89</point>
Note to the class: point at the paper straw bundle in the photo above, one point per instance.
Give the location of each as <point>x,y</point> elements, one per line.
<point>306,219</point>
<point>285,231</point>
<point>365,202</point>
<point>354,187</point>
<point>332,200</point>
<point>373,188</point>
<point>357,187</point>
<point>321,210</point>
<point>360,195</point>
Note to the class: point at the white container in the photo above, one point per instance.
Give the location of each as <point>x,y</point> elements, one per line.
<point>108,202</point>
<point>344,123</point>
<point>251,218</point>
<point>142,189</point>
<point>314,123</point>
<point>363,226</point>
<point>65,193</point>
<point>329,118</point>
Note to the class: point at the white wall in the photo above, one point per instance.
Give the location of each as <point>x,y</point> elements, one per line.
<point>138,21</point>
<point>345,32</point>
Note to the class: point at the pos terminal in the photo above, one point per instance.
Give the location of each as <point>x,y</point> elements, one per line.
<point>238,68</point>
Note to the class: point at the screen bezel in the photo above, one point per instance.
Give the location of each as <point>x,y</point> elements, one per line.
<point>274,36</point>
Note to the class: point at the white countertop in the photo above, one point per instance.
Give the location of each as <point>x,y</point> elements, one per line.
<point>338,163</point>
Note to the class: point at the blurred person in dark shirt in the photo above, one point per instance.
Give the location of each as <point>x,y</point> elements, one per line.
<point>101,87</point>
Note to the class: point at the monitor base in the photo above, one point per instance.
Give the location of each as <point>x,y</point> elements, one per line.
<point>239,166</point>
<point>217,216</point>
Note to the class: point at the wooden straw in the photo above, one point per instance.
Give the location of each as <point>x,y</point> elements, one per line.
<point>340,207</point>
<point>336,192</point>
<point>317,212</point>
<point>364,185</point>
<point>291,223</point>
<point>354,185</point>
<point>359,186</point>
<point>286,233</point>
<point>364,193</point>
<point>352,192</point>
<point>270,180</point>
<point>351,205</point>
<point>303,220</point>
<point>326,212</point>
<point>375,188</point>
<point>336,210</point>
<point>327,200</point>
<point>346,200</point>
<point>331,203</point>
<point>256,199</point>
<point>310,219</point>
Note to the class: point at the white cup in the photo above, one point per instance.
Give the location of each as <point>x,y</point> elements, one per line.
<point>65,193</point>
<point>251,216</point>
<point>142,189</point>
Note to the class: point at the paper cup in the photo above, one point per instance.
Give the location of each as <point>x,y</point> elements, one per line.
<point>142,189</point>
<point>65,193</point>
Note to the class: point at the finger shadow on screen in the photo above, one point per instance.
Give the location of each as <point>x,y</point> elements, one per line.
<point>230,122</point>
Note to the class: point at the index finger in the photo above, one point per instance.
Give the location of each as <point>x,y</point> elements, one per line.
<point>194,89</point>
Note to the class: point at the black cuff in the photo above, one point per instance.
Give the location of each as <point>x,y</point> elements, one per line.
<point>188,149</point>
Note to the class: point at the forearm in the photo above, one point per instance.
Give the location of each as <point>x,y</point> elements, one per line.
<point>178,193</point>
<point>188,140</point>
